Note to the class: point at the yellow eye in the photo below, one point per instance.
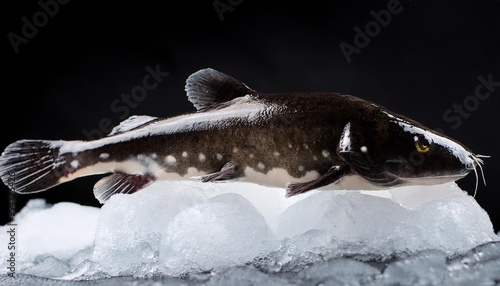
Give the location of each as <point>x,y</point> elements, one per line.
<point>422,147</point>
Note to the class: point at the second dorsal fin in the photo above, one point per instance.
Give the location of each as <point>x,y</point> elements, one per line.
<point>207,89</point>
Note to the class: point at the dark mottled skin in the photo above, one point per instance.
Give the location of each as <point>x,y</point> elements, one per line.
<point>306,125</point>
<point>310,122</point>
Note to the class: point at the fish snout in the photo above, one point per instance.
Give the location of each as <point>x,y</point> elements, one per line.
<point>474,161</point>
<point>470,164</point>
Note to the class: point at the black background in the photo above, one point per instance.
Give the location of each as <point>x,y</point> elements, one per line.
<point>425,60</point>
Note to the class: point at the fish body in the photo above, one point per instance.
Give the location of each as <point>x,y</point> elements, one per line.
<point>301,141</point>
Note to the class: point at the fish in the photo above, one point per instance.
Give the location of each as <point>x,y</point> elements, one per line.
<point>296,141</point>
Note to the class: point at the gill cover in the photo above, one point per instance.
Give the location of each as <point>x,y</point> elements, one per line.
<point>355,151</point>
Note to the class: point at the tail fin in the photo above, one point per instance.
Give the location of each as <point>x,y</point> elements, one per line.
<point>30,166</point>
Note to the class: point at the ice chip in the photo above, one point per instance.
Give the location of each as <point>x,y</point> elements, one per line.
<point>425,268</point>
<point>31,207</point>
<point>480,265</point>
<point>342,271</point>
<point>48,266</point>
<point>246,276</point>
<point>59,231</point>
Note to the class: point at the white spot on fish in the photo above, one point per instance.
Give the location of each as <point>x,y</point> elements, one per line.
<point>75,164</point>
<point>184,154</point>
<point>219,156</point>
<point>261,166</point>
<point>301,168</point>
<point>315,158</point>
<point>306,146</point>
<point>104,156</point>
<point>290,145</point>
<point>364,149</point>
<point>345,138</point>
<point>170,160</point>
<point>251,155</point>
<point>325,153</point>
<point>235,150</point>
<point>202,157</point>
<point>276,153</point>
<point>154,156</point>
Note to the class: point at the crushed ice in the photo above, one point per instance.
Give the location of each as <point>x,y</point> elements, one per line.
<point>243,233</point>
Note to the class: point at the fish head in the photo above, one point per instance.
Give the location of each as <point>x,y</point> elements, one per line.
<point>401,151</point>
<point>422,156</point>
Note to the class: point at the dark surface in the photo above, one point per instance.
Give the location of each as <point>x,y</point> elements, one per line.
<point>68,79</point>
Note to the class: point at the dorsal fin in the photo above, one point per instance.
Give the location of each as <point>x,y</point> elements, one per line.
<point>130,123</point>
<point>207,89</point>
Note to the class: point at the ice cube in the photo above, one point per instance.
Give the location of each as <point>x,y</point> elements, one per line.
<point>130,227</point>
<point>226,230</point>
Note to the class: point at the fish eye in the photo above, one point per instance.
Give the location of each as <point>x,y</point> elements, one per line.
<point>422,145</point>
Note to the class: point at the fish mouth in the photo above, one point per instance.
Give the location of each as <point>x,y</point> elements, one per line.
<point>475,162</point>
<point>433,180</point>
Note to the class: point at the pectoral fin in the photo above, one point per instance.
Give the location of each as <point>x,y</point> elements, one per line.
<point>229,171</point>
<point>332,176</point>
<point>364,166</point>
